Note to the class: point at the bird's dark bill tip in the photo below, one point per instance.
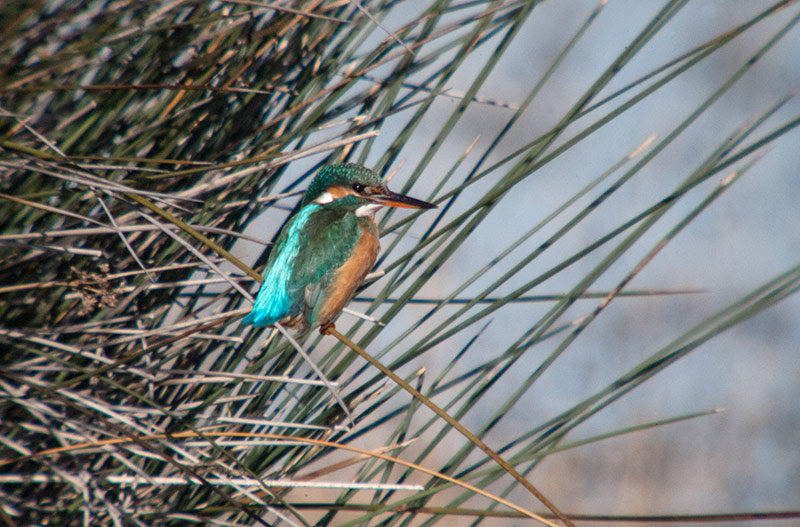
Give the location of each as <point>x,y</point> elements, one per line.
<point>406,202</point>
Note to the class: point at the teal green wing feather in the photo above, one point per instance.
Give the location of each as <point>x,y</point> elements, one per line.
<point>329,239</point>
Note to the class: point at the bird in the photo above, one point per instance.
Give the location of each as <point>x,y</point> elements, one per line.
<point>325,250</point>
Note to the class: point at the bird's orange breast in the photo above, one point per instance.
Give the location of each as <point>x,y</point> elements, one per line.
<point>350,275</point>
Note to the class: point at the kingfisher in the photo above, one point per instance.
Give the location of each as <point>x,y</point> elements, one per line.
<point>326,249</point>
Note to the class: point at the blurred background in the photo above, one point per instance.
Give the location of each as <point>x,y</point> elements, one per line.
<point>747,457</point>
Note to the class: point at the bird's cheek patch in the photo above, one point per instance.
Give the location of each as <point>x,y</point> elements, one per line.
<point>332,194</point>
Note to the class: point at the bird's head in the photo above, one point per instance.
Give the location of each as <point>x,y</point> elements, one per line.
<point>356,188</point>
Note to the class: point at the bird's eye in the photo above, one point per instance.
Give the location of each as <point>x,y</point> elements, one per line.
<point>358,187</point>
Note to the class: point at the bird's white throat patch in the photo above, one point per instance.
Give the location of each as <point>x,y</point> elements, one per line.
<point>367,210</point>
<point>364,210</point>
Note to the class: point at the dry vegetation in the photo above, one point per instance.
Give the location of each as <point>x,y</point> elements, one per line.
<point>138,140</point>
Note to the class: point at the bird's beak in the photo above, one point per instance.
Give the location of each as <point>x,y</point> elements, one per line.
<point>392,199</point>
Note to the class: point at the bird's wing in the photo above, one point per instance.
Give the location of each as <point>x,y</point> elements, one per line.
<point>326,242</point>
<point>329,240</point>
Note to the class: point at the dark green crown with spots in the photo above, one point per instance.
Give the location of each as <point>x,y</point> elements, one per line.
<point>344,175</point>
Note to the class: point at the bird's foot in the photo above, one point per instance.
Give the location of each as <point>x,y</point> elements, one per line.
<point>323,329</point>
